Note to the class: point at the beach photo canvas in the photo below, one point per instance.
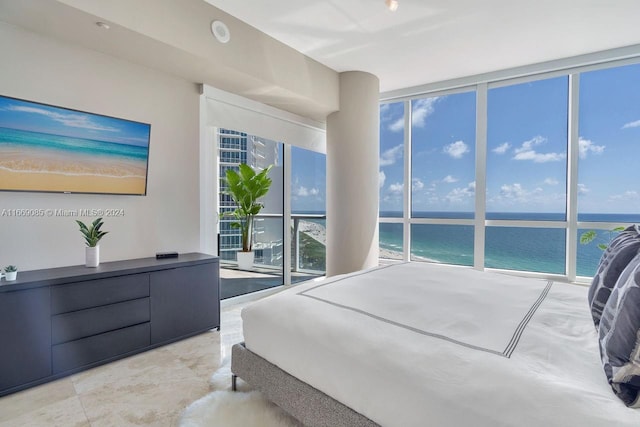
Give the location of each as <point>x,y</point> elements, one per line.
<point>54,149</point>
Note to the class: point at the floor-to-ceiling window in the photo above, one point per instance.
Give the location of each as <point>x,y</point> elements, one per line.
<point>391,179</point>
<point>308,214</point>
<point>236,147</point>
<point>527,175</point>
<point>609,149</point>
<point>554,159</point>
<point>443,184</point>
<point>289,232</point>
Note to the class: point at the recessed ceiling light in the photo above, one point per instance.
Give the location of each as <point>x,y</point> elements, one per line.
<point>220,31</point>
<point>103,25</point>
<point>392,5</point>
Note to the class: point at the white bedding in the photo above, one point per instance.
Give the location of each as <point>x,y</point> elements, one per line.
<point>421,344</point>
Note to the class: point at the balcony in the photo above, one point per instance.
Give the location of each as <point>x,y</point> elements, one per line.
<point>308,254</point>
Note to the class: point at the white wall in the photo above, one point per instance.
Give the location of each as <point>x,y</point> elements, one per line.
<point>41,69</point>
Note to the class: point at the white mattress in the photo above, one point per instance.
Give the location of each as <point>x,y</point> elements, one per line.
<point>424,344</point>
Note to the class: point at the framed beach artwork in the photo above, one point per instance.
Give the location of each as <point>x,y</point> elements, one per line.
<point>54,149</point>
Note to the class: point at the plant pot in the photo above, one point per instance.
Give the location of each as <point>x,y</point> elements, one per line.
<point>10,276</point>
<point>245,260</point>
<point>92,256</point>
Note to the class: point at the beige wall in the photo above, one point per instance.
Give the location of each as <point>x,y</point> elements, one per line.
<point>41,69</point>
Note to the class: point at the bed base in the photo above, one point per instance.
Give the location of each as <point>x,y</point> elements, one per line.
<point>309,405</point>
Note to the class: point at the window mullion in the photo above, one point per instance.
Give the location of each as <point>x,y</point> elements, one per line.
<point>572,177</point>
<point>481,176</point>
<point>406,240</point>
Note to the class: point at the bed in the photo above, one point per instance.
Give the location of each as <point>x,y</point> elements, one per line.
<point>419,344</point>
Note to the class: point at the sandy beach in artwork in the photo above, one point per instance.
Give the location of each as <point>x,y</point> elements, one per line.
<point>27,181</point>
<point>49,170</point>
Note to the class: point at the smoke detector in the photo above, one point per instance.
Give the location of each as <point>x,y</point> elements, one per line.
<point>220,31</point>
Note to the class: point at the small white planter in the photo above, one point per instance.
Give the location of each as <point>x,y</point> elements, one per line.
<point>245,260</point>
<point>92,256</point>
<point>10,276</point>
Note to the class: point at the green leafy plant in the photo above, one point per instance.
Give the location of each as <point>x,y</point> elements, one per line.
<point>245,188</point>
<point>591,235</point>
<point>10,269</point>
<point>92,234</point>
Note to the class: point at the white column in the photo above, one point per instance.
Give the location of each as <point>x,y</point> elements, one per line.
<point>352,175</point>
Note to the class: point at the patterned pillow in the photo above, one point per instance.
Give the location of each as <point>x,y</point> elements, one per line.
<point>619,336</point>
<point>621,250</point>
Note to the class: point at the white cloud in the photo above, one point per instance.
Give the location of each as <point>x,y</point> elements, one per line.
<point>515,192</point>
<point>420,110</point>
<point>397,125</point>
<point>551,181</point>
<point>582,189</point>
<point>449,179</point>
<point>381,179</point>
<point>539,157</point>
<point>458,195</point>
<point>631,125</point>
<point>512,191</point>
<point>71,120</point>
<point>391,116</point>
<point>306,192</point>
<point>627,195</point>
<point>416,184</point>
<point>585,146</point>
<point>391,155</point>
<point>527,152</point>
<point>456,149</point>
<point>502,148</point>
<point>518,196</point>
<point>396,188</point>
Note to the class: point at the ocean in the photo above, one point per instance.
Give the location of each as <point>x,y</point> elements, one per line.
<point>511,248</point>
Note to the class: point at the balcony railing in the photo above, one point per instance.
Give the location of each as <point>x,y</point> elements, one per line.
<point>308,243</point>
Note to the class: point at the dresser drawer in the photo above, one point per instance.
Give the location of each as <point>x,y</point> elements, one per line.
<point>94,293</point>
<point>93,321</point>
<point>76,354</point>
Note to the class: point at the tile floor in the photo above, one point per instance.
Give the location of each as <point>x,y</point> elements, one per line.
<point>149,389</point>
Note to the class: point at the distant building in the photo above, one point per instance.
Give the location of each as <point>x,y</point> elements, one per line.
<point>236,148</point>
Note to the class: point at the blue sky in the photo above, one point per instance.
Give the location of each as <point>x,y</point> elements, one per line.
<point>308,178</point>
<point>30,116</point>
<point>526,147</point>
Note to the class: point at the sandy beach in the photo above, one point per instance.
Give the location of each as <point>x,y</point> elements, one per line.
<point>28,181</point>
<point>319,233</point>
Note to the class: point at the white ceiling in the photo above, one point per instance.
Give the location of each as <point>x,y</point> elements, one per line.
<point>427,41</point>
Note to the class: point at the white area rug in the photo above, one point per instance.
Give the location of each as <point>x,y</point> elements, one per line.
<point>226,408</point>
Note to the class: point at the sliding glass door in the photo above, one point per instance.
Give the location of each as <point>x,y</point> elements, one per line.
<point>236,147</point>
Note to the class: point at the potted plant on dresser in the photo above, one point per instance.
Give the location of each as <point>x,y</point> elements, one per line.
<point>245,188</point>
<point>10,273</point>
<point>92,235</point>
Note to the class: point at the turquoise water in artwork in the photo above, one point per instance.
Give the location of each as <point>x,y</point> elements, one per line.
<point>512,248</point>
<point>25,140</point>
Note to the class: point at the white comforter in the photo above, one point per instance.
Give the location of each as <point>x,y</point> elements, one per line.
<point>429,345</point>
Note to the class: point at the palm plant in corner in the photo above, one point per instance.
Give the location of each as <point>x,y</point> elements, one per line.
<point>245,188</point>
<point>92,235</point>
<point>591,235</point>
